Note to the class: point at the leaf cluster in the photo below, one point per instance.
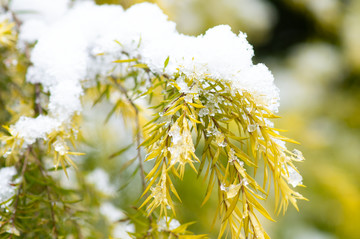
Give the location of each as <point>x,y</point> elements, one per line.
<point>237,136</point>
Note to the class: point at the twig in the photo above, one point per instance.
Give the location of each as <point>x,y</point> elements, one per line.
<point>138,132</point>
<point>38,108</point>
<point>176,99</point>
<point>138,136</point>
<point>45,176</point>
<point>17,21</point>
<point>172,102</point>
<point>23,170</point>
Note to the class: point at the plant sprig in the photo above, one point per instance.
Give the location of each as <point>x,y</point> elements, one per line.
<point>237,136</point>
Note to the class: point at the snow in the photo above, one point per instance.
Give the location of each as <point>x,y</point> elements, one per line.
<point>60,147</point>
<point>101,180</point>
<point>168,224</point>
<point>112,213</point>
<point>121,230</point>
<point>294,177</point>
<point>252,127</point>
<point>182,144</point>
<point>233,189</point>
<point>232,158</point>
<point>66,55</point>
<point>298,155</point>
<point>42,10</point>
<point>6,189</point>
<point>37,16</point>
<point>30,129</point>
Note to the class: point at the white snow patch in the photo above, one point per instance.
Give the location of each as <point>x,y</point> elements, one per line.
<point>66,55</point>
<point>6,189</point>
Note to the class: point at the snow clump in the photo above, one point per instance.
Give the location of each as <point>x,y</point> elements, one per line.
<point>83,41</point>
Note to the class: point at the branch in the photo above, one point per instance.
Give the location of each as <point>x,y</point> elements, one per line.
<point>23,170</point>
<point>38,109</point>
<point>138,143</point>
<point>45,175</point>
<point>17,21</point>
<point>138,131</point>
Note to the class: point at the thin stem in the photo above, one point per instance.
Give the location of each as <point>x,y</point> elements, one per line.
<point>45,176</point>
<point>172,102</point>
<point>138,138</point>
<point>38,109</point>
<point>17,21</point>
<point>23,170</point>
<point>138,131</point>
<point>139,152</point>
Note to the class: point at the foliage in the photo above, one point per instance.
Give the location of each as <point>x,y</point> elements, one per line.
<point>225,135</point>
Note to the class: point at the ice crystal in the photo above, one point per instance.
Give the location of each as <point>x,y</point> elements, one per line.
<point>175,134</point>
<point>184,88</point>
<point>168,224</point>
<point>182,146</point>
<point>232,190</point>
<point>60,147</point>
<point>203,112</point>
<point>233,157</point>
<point>188,98</point>
<point>298,155</point>
<point>294,177</point>
<point>157,193</point>
<point>219,138</point>
<point>244,182</point>
<point>252,127</point>
<point>210,132</point>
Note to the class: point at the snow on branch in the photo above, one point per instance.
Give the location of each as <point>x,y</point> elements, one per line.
<point>84,42</point>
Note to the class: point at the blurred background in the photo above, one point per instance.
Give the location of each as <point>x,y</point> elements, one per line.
<point>313,49</point>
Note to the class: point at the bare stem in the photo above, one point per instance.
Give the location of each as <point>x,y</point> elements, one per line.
<point>38,108</point>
